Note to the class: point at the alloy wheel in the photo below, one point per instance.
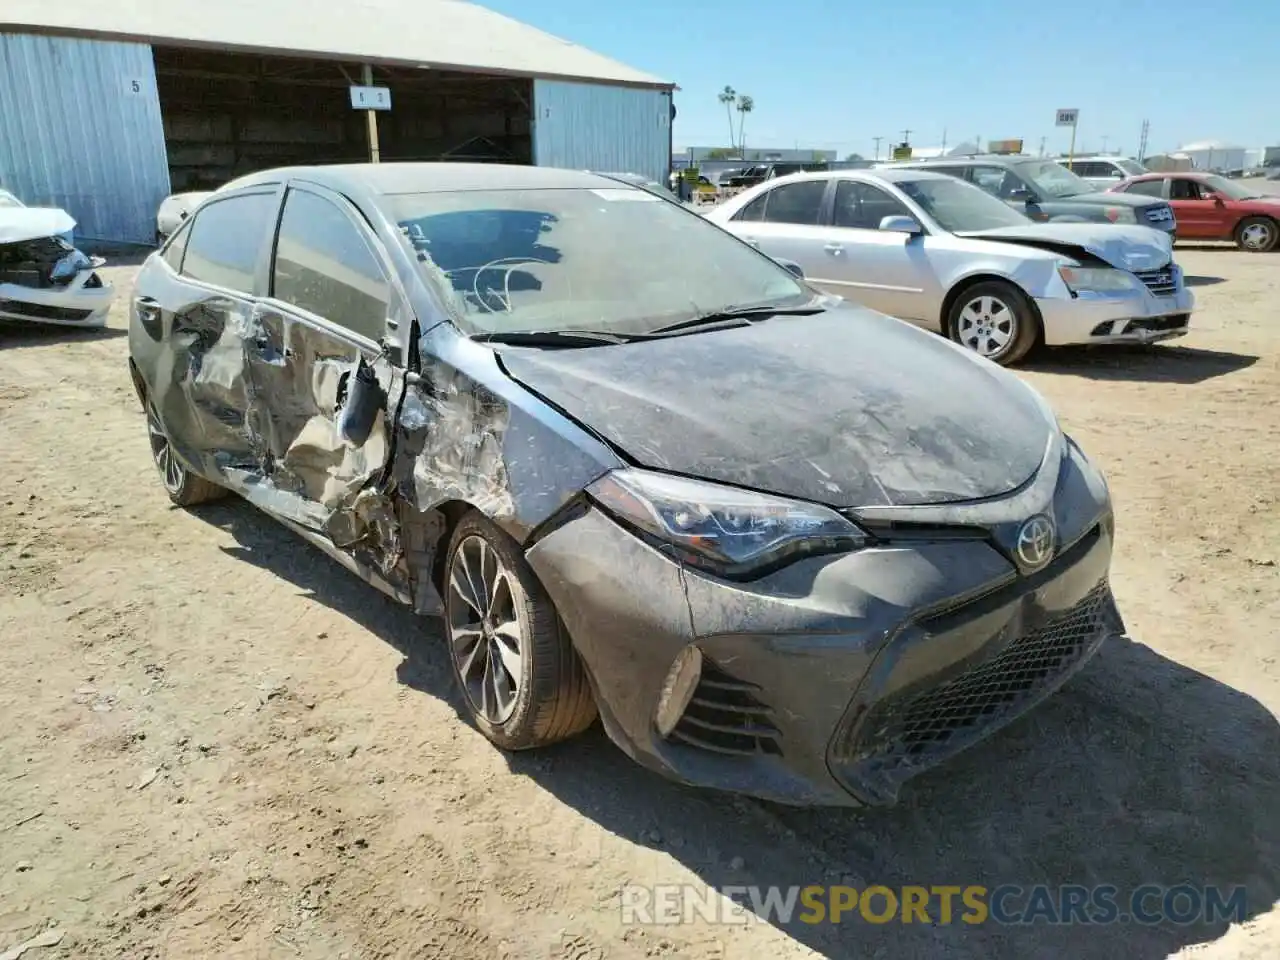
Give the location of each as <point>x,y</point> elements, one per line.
<point>1257,236</point>
<point>485,637</point>
<point>987,326</point>
<point>172,473</point>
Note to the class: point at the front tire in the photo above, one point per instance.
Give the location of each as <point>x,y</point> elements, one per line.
<point>1257,234</point>
<point>520,677</point>
<point>995,320</point>
<point>183,487</point>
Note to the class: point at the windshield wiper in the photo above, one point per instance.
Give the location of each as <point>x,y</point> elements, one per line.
<point>736,317</point>
<point>551,338</point>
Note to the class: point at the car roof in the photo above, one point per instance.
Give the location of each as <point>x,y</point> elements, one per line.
<point>887,174</point>
<point>395,178</point>
<point>1161,174</point>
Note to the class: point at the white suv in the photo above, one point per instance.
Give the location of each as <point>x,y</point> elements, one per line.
<point>1104,172</point>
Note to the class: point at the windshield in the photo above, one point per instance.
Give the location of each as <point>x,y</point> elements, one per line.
<point>1131,168</point>
<point>1053,179</point>
<point>1227,188</point>
<point>958,207</point>
<point>610,259</point>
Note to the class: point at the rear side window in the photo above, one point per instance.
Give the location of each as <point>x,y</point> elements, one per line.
<point>1150,188</point>
<point>796,203</point>
<point>177,246</point>
<point>226,239</point>
<point>324,265</point>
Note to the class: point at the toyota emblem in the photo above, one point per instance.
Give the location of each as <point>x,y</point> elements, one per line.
<point>1035,542</point>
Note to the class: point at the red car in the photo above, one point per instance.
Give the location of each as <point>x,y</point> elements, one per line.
<point>1210,207</point>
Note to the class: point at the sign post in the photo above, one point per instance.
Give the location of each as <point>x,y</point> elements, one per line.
<point>1069,117</point>
<point>371,99</point>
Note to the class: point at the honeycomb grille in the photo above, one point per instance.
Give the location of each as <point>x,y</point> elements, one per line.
<point>923,728</point>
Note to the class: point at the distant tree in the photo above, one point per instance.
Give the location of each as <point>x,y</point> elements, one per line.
<point>728,96</point>
<point>852,157</point>
<point>720,153</point>
<point>745,105</point>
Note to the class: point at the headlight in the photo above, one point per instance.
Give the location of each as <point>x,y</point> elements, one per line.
<point>722,529</point>
<point>1097,279</point>
<point>1121,214</point>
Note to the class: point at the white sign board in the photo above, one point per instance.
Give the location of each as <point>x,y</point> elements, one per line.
<point>371,98</point>
<point>1068,117</point>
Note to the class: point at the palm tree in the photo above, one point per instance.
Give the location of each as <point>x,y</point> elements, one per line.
<point>729,96</point>
<point>745,106</point>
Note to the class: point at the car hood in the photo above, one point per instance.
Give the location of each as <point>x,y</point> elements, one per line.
<point>849,408</point>
<point>18,224</point>
<point>1129,248</point>
<point>1109,199</point>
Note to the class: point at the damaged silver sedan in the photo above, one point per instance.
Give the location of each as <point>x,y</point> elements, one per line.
<point>44,279</point>
<point>774,540</point>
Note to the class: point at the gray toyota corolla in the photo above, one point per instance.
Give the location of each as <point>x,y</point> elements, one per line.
<point>781,544</point>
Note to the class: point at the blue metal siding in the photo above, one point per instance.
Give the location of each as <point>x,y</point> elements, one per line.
<point>74,134</point>
<point>592,126</point>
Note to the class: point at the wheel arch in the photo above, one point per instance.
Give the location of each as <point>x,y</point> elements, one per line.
<point>972,280</point>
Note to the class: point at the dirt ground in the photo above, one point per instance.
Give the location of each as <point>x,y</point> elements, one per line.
<point>214,742</point>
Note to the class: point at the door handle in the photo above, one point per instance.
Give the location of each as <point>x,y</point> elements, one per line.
<point>834,248</point>
<point>753,243</point>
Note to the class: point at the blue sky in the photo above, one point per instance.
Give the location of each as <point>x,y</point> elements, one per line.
<point>834,74</point>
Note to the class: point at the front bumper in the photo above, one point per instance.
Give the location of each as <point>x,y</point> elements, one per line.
<point>84,302</point>
<point>835,679</point>
<point>1138,318</point>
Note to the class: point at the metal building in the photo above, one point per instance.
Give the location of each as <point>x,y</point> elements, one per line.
<point>105,109</point>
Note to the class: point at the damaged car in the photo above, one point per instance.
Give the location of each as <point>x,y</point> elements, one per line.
<point>944,254</point>
<point>44,278</point>
<point>775,541</point>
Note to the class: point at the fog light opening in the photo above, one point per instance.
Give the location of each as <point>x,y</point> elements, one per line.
<point>678,688</point>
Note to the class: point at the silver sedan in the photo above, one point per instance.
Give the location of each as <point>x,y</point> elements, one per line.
<point>941,253</point>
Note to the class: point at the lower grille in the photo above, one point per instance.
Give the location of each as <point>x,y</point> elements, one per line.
<point>1160,282</point>
<point>725,715</point>
<point>1158,324</point>
<point>923,728</point>
<point>41,311</point>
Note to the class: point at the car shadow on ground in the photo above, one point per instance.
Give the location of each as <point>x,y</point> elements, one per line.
<point>17,336</point>
<point>1153,363</point>
<point>1195,281</point>
<point>1140,771</point>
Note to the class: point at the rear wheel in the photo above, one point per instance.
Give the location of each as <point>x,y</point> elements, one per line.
<point>1257,234</point>
<point>995,320</point>
<point>520,677</point>
<point>184,487</point>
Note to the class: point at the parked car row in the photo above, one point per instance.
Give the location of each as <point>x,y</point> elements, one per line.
<point>779,543</point>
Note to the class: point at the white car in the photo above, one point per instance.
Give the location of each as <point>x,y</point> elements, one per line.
<point>941,253</point>
<point>44,279</point>
<point>173,210</point>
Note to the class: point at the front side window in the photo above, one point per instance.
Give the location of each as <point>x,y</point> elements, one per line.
<point>226,240</point>
<point>861,206</point>
<point>1183,189</point>
<point>619,260</point>
<point>959,207</point>
<point>324,265</point>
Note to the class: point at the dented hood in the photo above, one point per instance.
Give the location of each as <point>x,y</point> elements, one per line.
<point>848,408</point>
<point>1126,247</point>
<point>18,224</point>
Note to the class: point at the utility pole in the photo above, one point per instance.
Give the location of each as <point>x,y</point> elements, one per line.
<point>944,141</point>
<point>1105,138</point>
<point>906,136</point>
<point>1142,142</point>
<point>877,143</point>
<point>1042,139</point>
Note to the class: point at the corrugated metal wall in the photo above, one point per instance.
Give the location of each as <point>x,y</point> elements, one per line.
<point>80,129</point>
<point>591,126</point>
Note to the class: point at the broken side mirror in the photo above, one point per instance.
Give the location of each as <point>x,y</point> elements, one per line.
<point>359,404</point>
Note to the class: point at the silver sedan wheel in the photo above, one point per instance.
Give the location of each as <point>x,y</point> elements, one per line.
<point>172,473</point>
<point>485,638</point>
<point>1257,236</point>
<point>987,326</point>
